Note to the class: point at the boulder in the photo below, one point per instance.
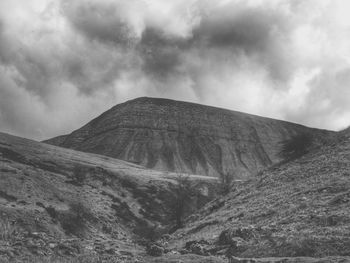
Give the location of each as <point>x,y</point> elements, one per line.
<point>155,250</point>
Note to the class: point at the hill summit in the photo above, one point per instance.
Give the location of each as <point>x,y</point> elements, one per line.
<point>186,137</point>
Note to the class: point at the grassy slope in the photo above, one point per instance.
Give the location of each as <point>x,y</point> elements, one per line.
<point>45,208</point>
<point>300,208</point>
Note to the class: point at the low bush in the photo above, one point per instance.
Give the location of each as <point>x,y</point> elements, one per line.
<point>75,220</point>
<point>296,146</point>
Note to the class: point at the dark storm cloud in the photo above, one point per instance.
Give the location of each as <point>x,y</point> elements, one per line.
<point>93,67</point>
<point>100,21</point>
<point>257,32</point>
<point>248,29</point>
<point>232,28</point>
<point>42,70</point>
<point>158,53</point>
<point>161,54</point>
<point>57,62</point>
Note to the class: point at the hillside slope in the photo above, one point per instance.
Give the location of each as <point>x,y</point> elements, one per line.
<point>56,201</point>
<point>301,208</point>
<point>178,136</point>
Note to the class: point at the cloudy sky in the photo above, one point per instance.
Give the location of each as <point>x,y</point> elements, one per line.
<point>63,62</point>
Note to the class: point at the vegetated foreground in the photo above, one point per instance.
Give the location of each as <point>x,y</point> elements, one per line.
<point>57,203</point>
<point>60,205</point>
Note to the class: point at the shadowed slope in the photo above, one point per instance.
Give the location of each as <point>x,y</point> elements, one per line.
<point>299,208</point>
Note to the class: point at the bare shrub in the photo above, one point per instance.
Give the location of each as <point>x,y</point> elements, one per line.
<point>296,146</point>
<point>226,182</point>
<point>75,220</point>
<point>183,192</point>
<point>79,174</point>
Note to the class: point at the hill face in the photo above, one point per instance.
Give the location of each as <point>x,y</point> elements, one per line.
<point>300,208</point>
<point>171,135</point>
<point>62,202</point>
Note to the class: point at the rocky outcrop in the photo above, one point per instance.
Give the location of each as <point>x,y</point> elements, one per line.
<point>185,137</point>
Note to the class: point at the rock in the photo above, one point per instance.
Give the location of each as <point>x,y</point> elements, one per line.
<point>174,252</point>
<point>183,251</point>
<point>166,237</point>
<point>34,235</point>
<point>198,249</point>
<point>229,236</point>
<point>89,247</point>
<point>52,245</point>
<point>237,245</point>
<point>155,250</point>
<point>190,243</point>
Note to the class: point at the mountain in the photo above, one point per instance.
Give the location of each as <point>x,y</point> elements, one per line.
<point>294,209</point>
<point>179,136</point>
<point>56,201</point>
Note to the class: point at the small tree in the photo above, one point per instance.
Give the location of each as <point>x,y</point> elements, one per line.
<point>75,220</point>
<point>183,192</point>
<point>296,146</point>
<point>226,182</point>
<point>79,175</point>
